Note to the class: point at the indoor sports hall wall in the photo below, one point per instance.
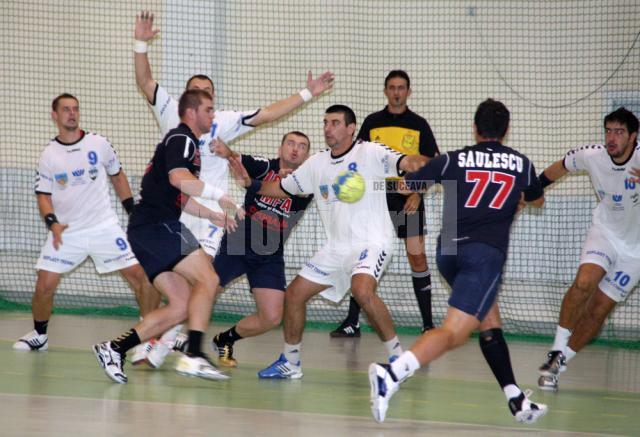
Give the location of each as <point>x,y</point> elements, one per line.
<point>559,67</point>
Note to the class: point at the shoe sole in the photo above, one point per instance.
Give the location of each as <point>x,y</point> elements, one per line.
<point>204,376</point>
<point>98,355</point>
<point>342,335</point>
<point>40,349</point>
<point>377,410</point>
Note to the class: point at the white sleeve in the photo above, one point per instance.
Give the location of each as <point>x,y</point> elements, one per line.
<point>165,110</point>
<point>383,160</point>
<point>578,158</point>
<point>230,125</point>
<point>44,177</point>
<point>110,158</point>
<point>301,181</point>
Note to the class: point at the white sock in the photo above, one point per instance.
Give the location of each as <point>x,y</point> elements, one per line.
<point>292,353</point>
<point>561,340</point>
<point>169,337</point>
<point>570,353</point>
<point>405,366</point>
<point>511,391</point>
<point>393,347</point>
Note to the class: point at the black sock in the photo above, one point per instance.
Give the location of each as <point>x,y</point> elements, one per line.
<point>422,289</point>
<point>126,341</point>
<point>194,346</point>
<point>41,327</point>
<point>353,317</point>
<point>229,336</point>
<point>496,352</point>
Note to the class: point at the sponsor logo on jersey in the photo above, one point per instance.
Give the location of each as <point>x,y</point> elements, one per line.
<point>618,168</point>
<point>78,172</point>
<point>617,197</point>
<point>73,150</point>
<point>93,173</point>
<point>600,254</point>
<point>324,191</point>
<point>363,254</point>
<point>617,202</point>
<point>61,179</point>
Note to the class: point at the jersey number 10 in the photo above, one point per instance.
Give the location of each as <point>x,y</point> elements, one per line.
<point>481,179</point>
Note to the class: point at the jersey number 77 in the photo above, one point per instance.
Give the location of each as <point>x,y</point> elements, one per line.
<point>481,180</point>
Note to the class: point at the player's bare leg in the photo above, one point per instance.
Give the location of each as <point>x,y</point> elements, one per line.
<point>42,300</point>
<point>147,296</point>
<point>363,289</point>
<point>584,285</point>
<point>598,308</point>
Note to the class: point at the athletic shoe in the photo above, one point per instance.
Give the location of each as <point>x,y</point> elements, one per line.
<point>111,361</point>
<point>158,353</point>
<point>346,330</point>
<point>181,342</point>
<point>200,366</point>
<point>556,364</point>
<point>548,383</point>
<point>281,369</point>
<point>32,341</point>
<point>225,352</point>
<point>384,384</point>
<point>524,410</point>
<point>140,352</point>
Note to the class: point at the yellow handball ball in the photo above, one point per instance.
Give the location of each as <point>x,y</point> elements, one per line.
<point>349,186</point>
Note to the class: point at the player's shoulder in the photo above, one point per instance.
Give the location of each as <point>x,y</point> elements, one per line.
<point>373,144</point>
<point>96,138</point>
<point>588,149</point>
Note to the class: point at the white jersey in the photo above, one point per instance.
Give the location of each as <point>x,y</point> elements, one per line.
<point>618,213</point>
<point>227,125</point>
<point>365,221</point>
<point>75,175</point>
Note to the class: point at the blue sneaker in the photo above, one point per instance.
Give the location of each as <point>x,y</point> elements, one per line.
<point>281,369</point>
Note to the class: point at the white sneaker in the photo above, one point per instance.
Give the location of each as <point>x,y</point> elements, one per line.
<point>524,410</point>
<point>111,361</point>
<point>140,352</point>
<point>383,386</point>
<point>199,366</point>
<point>32,341</point>
<point>182,340</point>
<point>158,353</point>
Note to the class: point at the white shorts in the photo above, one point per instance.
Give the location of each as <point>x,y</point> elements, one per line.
<point>334,266</point>
<point>623,269</point>
<point>208,234</point>
<point>108,247</point>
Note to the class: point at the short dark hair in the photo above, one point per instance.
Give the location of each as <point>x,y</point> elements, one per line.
<point>397,73</point>
<point>349,115</point>
<point>296,132</point>
<point>492,119</point>
<point>54,103</point>
<point>623,116</point>
<point>201,77</point>
<point>192,99</point>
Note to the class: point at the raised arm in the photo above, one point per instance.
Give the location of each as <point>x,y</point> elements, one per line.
<point>144,33</point>
<point>279,109</point>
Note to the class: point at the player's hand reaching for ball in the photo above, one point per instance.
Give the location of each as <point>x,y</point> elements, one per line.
<point>144,27</point>
<point>57,229</point>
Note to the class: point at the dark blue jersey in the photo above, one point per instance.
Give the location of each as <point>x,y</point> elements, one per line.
<point>482,185</point>
<point>269,221</point>
<point>160,201</point>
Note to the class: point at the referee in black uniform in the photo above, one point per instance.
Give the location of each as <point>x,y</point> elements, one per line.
<point>401,129</point>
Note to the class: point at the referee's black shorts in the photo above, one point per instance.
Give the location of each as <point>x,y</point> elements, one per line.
<point>405,225</point>
<point>160,246</point>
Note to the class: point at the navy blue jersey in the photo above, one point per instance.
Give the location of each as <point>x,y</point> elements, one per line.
<point>489,179</point>
<point>269,220</point>
<point>161,201</point>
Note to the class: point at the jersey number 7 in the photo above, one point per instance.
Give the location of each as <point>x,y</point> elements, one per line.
<point>481,179</point>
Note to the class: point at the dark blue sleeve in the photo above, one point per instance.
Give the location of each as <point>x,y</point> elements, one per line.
<point>179,152</point>
<point>256,166</point>
<point>534,188</point>
<point>430,174</point>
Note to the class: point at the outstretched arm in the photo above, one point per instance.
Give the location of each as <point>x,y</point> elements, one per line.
<point>144,33</point>
<point>412,163</point>
<point>552,173</point>
<point>279,109</point>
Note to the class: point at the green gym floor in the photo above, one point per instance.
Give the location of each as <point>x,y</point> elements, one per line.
<point>64,392</point>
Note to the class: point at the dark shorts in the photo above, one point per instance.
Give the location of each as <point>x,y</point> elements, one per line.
<point>263,271</point>
<point>405,225</point>
<point>160,246</point>
<point>474,275</point>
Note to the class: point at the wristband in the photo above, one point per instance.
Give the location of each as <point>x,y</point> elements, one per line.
<point>255,186</point>
<point>544,180</point>
<point>128,205</point>
<point>140,46</point>
<point>306,94</point>
<point>211,192</point>
<point>50,219</point>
